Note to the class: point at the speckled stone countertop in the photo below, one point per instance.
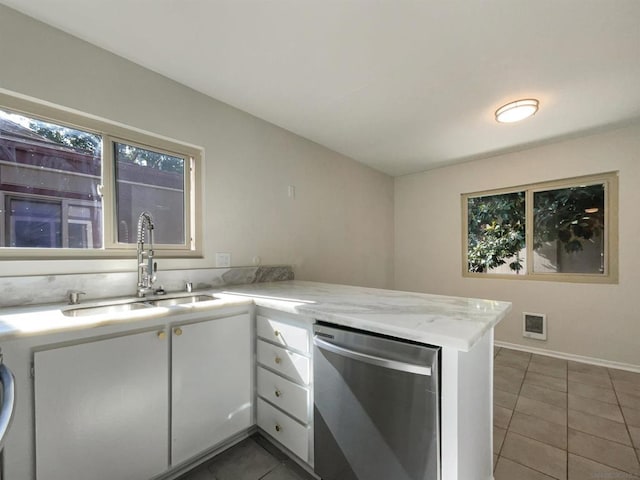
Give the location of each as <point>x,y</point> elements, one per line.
<point>453,322</point>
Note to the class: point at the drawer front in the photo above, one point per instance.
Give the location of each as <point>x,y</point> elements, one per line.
<point>291,364</point>
<point>284,394</point>
<point>283,428</point>
<point>285,334</point>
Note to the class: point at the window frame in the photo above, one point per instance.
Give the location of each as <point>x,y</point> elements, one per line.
<point>115,132</point>
<point>610,275</point>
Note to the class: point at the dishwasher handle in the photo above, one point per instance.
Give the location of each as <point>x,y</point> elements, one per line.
<point>372,359</point>
<point>8,401</point>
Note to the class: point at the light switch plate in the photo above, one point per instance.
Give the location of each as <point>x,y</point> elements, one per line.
<point>223,260</point>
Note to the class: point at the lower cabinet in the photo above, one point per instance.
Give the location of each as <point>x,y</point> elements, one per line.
<point>101,409</point>
<point>211,384</point>
<point>284,381</point>
<point>104,408</point>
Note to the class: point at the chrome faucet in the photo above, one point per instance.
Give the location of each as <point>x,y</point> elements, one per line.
<point>146,270</point>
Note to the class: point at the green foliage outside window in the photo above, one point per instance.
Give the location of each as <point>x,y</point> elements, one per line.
<point>497,230</point>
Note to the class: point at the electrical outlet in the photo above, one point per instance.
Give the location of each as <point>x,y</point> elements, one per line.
<point>223,260</point>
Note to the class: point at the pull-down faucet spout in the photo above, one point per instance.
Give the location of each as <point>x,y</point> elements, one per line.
<point>146,271</point>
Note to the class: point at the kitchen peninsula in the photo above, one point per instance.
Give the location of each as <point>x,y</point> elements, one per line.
<point>462,327</point>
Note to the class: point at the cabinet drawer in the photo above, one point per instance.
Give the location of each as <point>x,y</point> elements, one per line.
<point>291,364</point>
<point>286,395</point>
<point>285,334</point>
<point>283,428</point>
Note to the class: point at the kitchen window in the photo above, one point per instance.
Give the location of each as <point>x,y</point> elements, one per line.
<point>564,230</point>
<point>72,186</point>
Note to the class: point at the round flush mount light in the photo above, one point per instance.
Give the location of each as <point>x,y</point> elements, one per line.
<point>516,111</point>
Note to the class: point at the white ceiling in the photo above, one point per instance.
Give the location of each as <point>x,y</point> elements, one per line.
<point>400,85</point>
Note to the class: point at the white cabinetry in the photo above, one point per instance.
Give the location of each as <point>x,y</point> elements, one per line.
<point>284,382</point>
<point>211,384</point>
<point>101,409</point>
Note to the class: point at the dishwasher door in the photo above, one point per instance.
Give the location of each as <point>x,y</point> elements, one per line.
<point>376,407</point>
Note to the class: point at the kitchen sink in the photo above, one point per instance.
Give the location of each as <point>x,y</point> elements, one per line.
<point>105,309</point>
<point>170,302</point>
<point>139,305</point>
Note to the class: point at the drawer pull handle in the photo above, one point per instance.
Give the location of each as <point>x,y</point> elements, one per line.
<point>177,331</point>
<point>161,335</point>
<point>278,393</point>
<point>278,428</point>
<point>278,360</point>
<point>276,333</point>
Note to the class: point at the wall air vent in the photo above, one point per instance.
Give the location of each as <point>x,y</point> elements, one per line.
<point>534,325</point>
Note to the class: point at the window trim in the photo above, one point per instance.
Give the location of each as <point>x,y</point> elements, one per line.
<point>610,276</point>
<point>116,132</point>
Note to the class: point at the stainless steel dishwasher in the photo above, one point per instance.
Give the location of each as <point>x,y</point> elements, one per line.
<point>376,406</point>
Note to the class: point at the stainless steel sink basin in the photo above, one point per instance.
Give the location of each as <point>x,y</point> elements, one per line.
<point>104,309</point>
<point>170,302</point>
<point>141,304</point>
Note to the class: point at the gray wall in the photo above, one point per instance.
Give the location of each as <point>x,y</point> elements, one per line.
<point>339,227</point>
<point>594,320</point>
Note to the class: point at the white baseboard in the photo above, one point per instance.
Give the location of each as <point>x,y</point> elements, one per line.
<point>570,356</point>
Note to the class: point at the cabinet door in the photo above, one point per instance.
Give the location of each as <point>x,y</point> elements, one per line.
<point>211,384</point>
<point>101,409</point>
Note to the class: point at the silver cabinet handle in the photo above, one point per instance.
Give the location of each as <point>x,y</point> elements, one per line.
<point>372,359</point>
<point>8,401</point>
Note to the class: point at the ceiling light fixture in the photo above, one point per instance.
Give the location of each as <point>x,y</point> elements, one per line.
<point>516,111</point>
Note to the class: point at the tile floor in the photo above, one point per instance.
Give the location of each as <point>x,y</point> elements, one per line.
<point>252,459</point>
<point>563,420</point>
<point>553,419</point>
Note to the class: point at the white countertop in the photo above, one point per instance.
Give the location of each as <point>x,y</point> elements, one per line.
<point>453,322</point>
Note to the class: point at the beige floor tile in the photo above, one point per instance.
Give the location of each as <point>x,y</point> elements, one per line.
<point>542,410</point>
<point>603,451</point>
<point>635,435</point>
<point>495,460</point>
<point>581,468</point>
<point>512,358</point>
<point>519,354</point>
<point>551,361</point>
<point>554,383</point>
<point>506,380</point>
<point>631,416</point>
<point>597,380</point>
<point>595,407</point>
<point>501,416</point>
<point>627,387</point>
<point>201,473</point>
<point>536,455</point>
<point>599,426</point>
<point>594,370</point>
<point>603,394</point>
<point>550,370</point>
<point>628,400</point>
<point>504,399</point>
<point>546,395</point>
<point>285,471</point>
<point>508,372</point>
<point>498,438</point>
<point>509,470</point>
<point>538,429</point>
<point>624,375</point>
<point>245,461</point>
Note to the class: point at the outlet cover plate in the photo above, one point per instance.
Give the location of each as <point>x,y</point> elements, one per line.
<point>223,260</point>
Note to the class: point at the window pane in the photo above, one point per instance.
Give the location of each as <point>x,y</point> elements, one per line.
<point>153,182</point>
<point>34,224</point>
<point>44,167</point>
<point>496,233</point>
<point>568,230</point>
